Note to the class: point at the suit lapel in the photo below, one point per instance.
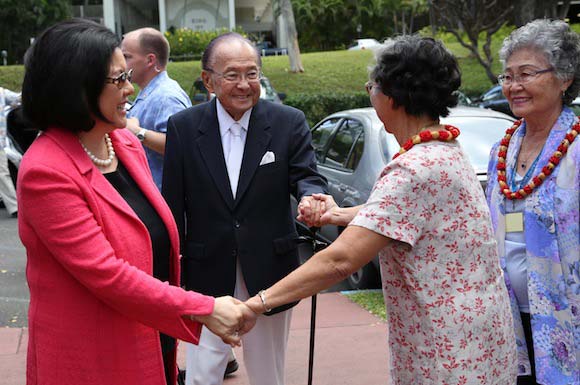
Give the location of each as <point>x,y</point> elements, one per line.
<point>210,147</point>
<point>257,141</point>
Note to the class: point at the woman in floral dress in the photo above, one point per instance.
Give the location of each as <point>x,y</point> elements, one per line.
<point>533,194</point>
<point>449,317</point>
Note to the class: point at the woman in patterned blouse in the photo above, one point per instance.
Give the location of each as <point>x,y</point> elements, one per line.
<point>449,318</point>
<point>533,195</point>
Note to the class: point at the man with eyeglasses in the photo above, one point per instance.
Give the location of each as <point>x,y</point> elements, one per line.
<point>231,165</point>
<point>146,51</point>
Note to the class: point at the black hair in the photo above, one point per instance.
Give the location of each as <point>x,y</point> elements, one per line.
<point>66,68</point>
<point>207,56</point>
<point>419,73</point>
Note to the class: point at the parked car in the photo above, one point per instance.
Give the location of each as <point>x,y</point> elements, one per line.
<point>359,44</point>
<point>352,148</point>
<point>494,99</point>
<point>266,48</point>
<point>199,94</point>
<point>464,100</point>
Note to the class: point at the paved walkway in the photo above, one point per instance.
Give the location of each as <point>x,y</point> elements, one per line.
<point>350,347</point>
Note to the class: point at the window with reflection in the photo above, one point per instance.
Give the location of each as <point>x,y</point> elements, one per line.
<point>320,136</point>
<point>345,149</point>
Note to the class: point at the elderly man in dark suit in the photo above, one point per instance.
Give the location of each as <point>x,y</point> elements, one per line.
<point>231,165</point>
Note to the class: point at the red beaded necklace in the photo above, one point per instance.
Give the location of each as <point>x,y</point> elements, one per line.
<point>446,135</point>
<point>546,170</point>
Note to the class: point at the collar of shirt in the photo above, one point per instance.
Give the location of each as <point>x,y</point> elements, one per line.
<point>151,85</point>
<point>225,120</point>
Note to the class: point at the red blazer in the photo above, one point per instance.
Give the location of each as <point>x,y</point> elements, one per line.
<point>94,307</point>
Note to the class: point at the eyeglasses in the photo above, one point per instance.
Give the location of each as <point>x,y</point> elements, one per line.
<point>236,77</point>
<point>120,80</point>
<point>525,77</point>
<point>369,86</point>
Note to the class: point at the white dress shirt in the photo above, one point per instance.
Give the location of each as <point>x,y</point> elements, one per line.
<point>233,144</point>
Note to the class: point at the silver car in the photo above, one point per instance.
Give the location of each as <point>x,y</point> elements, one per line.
<point>352,148</point>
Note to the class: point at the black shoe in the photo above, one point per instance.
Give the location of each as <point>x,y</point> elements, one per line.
<point>232,367</point>
<point>14,214</point>
<point>181,377</point>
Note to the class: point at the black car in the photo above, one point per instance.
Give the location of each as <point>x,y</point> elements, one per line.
<point>352,148</point>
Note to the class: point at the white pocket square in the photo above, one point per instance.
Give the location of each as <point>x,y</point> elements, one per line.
<point>268,158</point>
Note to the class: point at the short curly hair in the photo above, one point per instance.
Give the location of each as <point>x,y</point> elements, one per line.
<point>419,73</point>
<point>557,42</point>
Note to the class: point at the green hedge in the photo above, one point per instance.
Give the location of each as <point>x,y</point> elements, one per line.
<point>318,106</point>
<point>187,44</point>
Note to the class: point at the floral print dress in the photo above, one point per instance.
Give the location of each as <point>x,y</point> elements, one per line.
<point>552,236</point>
<point>448,309</point>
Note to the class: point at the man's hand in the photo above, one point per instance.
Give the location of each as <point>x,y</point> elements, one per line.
<point>314,210</point>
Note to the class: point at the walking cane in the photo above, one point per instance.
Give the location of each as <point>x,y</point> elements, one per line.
<point>316,247</point>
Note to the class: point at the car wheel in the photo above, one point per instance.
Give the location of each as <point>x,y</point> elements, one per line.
<point>367,277</point>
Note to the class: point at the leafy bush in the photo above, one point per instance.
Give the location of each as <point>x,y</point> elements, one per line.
<point>187,44</point>
<point>318,106</point>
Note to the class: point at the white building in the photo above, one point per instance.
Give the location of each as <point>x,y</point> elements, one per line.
<point>254,16</point>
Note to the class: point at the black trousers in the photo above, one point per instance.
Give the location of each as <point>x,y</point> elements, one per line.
<point>167,349</point>
<point>526,322</point>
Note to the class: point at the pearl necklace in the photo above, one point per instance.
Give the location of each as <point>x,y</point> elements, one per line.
<point>545,171</point>
<point>98,161</point>
<point>446,135</point>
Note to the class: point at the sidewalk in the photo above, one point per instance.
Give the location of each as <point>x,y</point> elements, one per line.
<point>350,348</point>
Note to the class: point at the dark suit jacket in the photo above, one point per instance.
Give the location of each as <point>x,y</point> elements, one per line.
<point>257,227</point>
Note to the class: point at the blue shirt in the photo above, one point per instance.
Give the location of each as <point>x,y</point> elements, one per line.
<point>154,104</point>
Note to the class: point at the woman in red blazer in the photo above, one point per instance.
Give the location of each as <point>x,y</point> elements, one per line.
<point>96,229</point>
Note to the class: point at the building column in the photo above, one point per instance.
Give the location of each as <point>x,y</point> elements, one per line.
<point>232,14</point>
<point>162,16</point>
<point>109,14</point>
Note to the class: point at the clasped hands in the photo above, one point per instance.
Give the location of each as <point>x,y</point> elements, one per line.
<point>318,210</point>
<point>230,319</point>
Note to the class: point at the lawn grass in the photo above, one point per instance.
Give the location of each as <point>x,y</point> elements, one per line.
<point>371,300</point>
<point>325,72</point>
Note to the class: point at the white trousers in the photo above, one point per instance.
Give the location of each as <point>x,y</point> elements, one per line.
<point>264,349</point>
<point>7,192</point>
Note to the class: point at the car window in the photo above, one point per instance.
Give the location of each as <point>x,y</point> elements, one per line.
<point>356,153</point>
<point>343,142</point>
<point>267,91</point>
<point>320,136</point>
<point>493,94</point>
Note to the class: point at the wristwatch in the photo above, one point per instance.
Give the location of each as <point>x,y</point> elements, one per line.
<point>141,134</point>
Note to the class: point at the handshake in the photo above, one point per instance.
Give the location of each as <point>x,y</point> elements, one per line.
<point>321,209</point>
<point>232,318</point>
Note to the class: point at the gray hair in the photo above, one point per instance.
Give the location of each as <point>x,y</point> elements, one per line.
<point>557,42</point>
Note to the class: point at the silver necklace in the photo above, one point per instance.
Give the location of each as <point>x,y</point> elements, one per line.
<point>98,161</point>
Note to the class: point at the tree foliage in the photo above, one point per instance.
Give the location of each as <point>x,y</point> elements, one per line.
<point>471,20</point>
<point>528,10</point>
<point>21,20</point>
<point>333,24</point>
